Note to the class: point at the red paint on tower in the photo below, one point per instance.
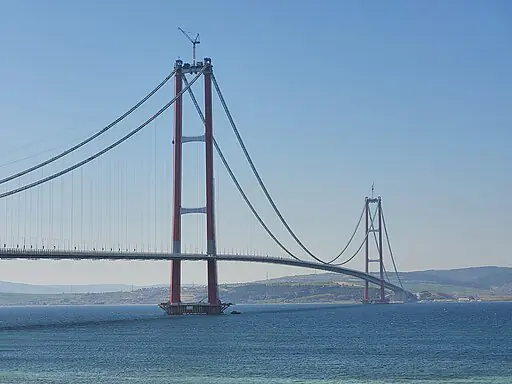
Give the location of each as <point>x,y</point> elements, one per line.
<point>175,296</point>
<point>213,298</point>
<point>381,260</point>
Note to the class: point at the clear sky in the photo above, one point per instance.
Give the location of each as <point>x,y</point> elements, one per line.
<point>329,96</point>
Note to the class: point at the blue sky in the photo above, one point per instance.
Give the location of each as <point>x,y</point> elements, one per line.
<point>329,97</point>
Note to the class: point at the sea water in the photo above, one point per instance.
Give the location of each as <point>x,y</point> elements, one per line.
<point>397,343</point>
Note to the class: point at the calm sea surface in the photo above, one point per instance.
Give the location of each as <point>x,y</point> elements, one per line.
<point>413,343</point>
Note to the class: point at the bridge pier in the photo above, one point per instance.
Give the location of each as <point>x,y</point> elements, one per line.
<point>194,308</point>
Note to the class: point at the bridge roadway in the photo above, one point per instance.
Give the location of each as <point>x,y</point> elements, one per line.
<point>52,254</point>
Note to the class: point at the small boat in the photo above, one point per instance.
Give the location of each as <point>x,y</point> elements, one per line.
<point>236,312</point>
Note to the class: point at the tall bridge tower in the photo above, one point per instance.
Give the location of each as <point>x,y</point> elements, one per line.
<point>175,305</point>
<point>375,233</point>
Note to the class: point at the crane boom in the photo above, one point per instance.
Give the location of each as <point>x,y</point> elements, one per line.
<point>194,43</point>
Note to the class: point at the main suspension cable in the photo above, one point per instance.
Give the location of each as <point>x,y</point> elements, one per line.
<point>256,174</point>
<point>248,202</point>
<point>390,251</point>
<point>90,138</point>
<point>19,160</point>
<point>105,150</point>
<point>234,179</point>
<point>372,218</point>
<point>351,237</point>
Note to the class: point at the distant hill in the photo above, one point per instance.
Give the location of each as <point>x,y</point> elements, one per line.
<point>475,277</point>
<point>237,293</point>
<point>485,282</point>
<point>489,278</point>
<point>8,287</point>
<point>294,293</point>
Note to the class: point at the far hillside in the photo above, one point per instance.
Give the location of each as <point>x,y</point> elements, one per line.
<point>492,283</point>
<point>476,277</point>
<point>471,280</point>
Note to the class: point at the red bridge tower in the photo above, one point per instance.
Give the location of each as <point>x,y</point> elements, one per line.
<point>175,306</point>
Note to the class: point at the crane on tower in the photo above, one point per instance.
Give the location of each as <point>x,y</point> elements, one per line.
<point>194,43</point>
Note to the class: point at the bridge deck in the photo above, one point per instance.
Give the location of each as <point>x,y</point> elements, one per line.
<point>51,254</point>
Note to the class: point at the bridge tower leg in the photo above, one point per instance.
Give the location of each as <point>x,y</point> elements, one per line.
<point>176,220</point>
<point>211,249</point>
<point>381,260</point>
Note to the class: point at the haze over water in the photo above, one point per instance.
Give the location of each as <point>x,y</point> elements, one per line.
<point>431,343</point>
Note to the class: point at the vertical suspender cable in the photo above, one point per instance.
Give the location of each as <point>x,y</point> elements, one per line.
<point>50,215</point>
<point>143,202</point>
<point>71,227</point>
<point>25,220</point>
<point>41,220</point>
<point>5,223</point>
<point>29,218</point>
<point>81,208</point>
<point>97,217</point>
<point>129,185</point>
<point>111,209</point>
<point>92,203</point>
<point>116,204</point>
<point>18,204</point>
<point>10,222</point>
<point>141,206</point>
<point>154,188</point>
<point>61,238</point>
<point>37,216</point>
<point>105,196</point>
<point>119,196</point>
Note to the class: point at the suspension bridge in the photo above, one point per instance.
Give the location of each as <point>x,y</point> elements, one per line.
<point>72,206</point>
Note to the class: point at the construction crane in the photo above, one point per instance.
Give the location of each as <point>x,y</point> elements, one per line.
<point>194,43</point>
